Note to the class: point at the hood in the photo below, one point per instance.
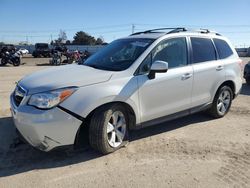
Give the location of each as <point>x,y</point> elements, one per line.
<point>63,76</point>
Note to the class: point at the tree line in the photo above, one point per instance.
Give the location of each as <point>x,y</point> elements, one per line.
<point>80,38</point>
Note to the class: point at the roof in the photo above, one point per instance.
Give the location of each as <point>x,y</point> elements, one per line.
<point>154,35</point>
<point>157,33</point>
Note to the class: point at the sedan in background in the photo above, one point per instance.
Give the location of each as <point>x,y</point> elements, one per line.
<point>23,51</point>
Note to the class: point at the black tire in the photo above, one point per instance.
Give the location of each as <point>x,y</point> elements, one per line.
<point>214,111</point>
<point>65,61</point>
<point>3,62</point>
<point>98,136</point>
<point>16,62</point>
<point>59,61</point>
<point>248,81</point>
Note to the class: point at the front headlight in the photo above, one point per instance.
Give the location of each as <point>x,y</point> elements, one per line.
<point>50,99</point>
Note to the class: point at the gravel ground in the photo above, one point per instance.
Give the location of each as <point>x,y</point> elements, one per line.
<point>195,151</point>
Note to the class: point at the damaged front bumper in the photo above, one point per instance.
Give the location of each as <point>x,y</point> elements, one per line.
<point>45,129</point>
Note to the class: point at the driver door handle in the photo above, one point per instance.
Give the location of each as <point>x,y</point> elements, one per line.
<point>220,67</point>
<point>186,76</point>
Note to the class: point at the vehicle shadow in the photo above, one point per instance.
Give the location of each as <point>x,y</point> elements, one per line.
<point>9,65</point>
<point>43,64</point>
<point>245,90</point>
<point>64,62</point>
<point>18,157</point>
<point>48,64</point>
<point>169,126</point>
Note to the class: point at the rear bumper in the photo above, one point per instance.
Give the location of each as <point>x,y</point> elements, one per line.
<point>45,129</point>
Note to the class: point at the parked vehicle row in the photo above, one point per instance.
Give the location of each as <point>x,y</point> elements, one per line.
<point>70,57</point>
<point>9,54</point>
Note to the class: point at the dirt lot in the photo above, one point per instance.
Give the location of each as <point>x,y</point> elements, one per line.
<point>194,151</point>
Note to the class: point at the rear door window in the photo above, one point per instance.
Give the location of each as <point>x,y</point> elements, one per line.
<point>203,50</point>
<point>223,48</point>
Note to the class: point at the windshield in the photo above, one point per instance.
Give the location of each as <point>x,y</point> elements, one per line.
<point>118,55</point>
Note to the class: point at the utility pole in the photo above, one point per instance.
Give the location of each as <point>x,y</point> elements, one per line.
<point>133,28</point>
<point>27,40</point>
<point>51,39</point>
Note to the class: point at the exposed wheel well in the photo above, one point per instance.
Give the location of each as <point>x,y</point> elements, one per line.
<point>82,133</point>
<point>230,84</point>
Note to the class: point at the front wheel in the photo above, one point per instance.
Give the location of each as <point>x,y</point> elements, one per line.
<point>222,102</point>
<point>3,61</point>
<point>108,129</point>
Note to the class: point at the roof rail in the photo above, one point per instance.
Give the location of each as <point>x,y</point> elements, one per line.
<point>179,29</point>
<point>206,31</point>
<point>160,29</point>
<point>176,30</point>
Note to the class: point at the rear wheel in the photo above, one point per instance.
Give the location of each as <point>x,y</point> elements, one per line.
<point>108,128</point>
<point>16,62</point>
<point>222,102</point>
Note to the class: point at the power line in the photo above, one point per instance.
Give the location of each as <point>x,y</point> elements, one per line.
<point>50,35</point>
<point>69,29</point>
<point>164,25</point>
<point>121,26</point>
<point>230,30</point>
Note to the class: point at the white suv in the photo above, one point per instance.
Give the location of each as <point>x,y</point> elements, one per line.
<point>137,81</point>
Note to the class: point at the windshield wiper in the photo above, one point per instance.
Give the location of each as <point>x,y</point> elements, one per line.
<point>102,68</point>
<point>93,66</point>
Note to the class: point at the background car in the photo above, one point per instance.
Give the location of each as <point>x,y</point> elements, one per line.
<point>23,51</point>
<point>41,50</point>
<point>247,73</point>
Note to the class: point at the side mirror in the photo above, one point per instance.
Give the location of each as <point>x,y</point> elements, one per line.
<point>157,67</point>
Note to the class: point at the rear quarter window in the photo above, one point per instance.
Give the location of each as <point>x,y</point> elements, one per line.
<point>203,50</point>
<point>224,50</point>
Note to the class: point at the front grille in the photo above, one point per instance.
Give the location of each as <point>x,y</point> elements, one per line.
<point>18,95</point>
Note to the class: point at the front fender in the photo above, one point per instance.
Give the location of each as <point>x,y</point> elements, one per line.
<point>88,98</point>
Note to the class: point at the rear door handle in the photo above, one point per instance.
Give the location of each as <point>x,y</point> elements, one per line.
<point>186,76</point>
<point>220,67</point>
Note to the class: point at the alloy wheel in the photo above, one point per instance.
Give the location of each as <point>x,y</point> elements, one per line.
<point>116,129</point>
<point>223,102</point>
